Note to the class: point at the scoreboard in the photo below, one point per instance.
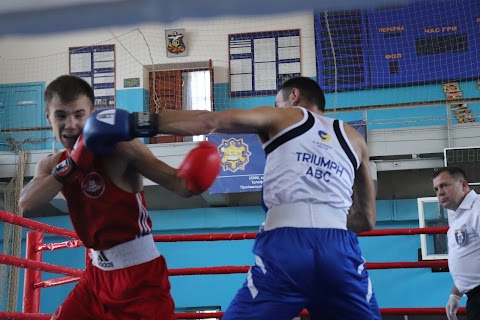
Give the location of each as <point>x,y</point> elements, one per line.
<point>422,42</point>
<point>436,37</point>
<point>468,159</point>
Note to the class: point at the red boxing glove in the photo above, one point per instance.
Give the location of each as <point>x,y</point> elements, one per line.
<point>200,167</point>
<point>66,170</point>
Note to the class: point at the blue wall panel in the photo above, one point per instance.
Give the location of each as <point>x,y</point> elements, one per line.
<point>132,99</point>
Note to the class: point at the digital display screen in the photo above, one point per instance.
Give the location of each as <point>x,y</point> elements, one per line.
<point>467,159</point>
<point>442,44</point>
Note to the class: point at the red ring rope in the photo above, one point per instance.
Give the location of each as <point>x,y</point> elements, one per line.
<point>74,274</point>
<point>35,225</point>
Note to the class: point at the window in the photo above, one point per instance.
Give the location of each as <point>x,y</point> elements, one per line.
<point>431,214</point>
<point>196,93</point>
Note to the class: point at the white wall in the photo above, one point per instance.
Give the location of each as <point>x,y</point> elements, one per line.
<point>43,58</point>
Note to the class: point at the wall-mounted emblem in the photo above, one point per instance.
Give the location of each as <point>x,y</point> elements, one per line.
<point>175,42</point>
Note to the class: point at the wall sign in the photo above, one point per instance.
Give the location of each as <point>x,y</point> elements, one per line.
<point>261,61</point>
<point>131,82</point>
<point>96,65</point>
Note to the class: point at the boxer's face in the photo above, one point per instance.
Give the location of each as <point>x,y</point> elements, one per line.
<point>68,119</point>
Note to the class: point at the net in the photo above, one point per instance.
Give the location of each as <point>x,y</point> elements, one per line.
<point>391,67</point>
<point>413,65</point>
<point>12,238</point>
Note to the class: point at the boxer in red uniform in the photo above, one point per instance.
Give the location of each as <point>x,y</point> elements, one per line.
<point>127,277</point>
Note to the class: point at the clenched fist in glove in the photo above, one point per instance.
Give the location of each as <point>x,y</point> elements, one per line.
<point>452,306</point>
<point>67,170</point>
<point>200,167</point>
<point>103,129</point>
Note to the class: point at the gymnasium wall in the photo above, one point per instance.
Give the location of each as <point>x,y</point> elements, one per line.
<point>138,48</point>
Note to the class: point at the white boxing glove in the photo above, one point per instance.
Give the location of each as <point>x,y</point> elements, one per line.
<point>452,306</point>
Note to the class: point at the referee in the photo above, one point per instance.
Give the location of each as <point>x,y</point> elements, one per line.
<point>463,204</point>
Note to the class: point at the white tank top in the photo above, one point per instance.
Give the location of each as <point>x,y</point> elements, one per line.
<point>312,162</point>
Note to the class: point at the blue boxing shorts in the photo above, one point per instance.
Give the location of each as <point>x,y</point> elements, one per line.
<point>321,270</point>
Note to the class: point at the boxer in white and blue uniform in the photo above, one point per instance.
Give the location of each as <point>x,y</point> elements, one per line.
<point>307,255</point>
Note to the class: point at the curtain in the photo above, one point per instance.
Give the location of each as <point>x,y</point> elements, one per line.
<point>196,94</point>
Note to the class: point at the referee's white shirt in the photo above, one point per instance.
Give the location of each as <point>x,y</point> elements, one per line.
<point>464,243</point>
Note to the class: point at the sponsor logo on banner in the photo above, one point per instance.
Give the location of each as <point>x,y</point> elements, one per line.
<point>243,161</point>
<point>234,154</point>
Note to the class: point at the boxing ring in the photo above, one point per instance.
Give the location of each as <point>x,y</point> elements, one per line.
<point>34,266</point>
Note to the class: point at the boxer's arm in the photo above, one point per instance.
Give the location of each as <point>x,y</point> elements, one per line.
<point>43,187</point>
<point>265,121</point>
<point>362,214</point>
<point>50,176</point>
<point>255,120</point>
<point>144,162</point>
<point>103,129</point>
<point>186,181</point>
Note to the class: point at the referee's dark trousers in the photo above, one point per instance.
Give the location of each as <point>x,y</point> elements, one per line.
<point>473,304</point>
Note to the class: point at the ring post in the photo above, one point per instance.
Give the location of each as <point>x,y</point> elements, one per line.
<point>31,295</point>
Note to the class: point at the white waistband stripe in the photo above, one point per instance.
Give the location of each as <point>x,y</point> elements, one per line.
<point>125,255</point>
<point>305,215</point>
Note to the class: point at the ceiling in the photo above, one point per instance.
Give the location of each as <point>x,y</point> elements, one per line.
<point>26,17</point>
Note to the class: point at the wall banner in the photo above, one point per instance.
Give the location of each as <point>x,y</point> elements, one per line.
<point>243,161</point>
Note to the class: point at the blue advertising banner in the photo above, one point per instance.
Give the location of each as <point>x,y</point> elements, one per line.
<point>243,161</point>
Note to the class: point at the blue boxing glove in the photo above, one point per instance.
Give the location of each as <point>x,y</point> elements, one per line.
<point>103,129</point>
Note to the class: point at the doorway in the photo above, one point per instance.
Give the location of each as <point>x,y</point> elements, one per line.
<point>189,87</point>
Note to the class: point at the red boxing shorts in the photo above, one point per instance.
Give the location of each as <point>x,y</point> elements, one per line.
<point>137,292</point>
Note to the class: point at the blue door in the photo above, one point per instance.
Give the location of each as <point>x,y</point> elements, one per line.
<point>22,117</point>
